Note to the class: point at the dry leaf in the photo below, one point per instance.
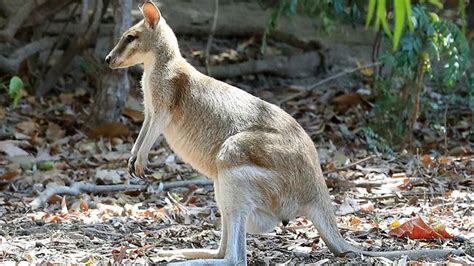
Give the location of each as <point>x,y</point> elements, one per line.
<point>366,71</point>
<point>417,229</point>
<point>9,176</point>
<point>406,184</point>
<point>367,208</point>
<point>426,160</point>
<point>443,160</point>
<point>346,101</point>
<point>27,127</point>
<point>55,199</point>
<point>110,130</point>
<point>54,132</point>
<point>136,116</point>
<point>355,221</point>
<point>83,205</point>
<point>394,224</point>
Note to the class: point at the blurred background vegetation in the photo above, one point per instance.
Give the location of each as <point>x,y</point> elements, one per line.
<point>404,65</point>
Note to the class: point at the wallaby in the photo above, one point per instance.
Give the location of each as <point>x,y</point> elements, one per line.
<point>264,166</point>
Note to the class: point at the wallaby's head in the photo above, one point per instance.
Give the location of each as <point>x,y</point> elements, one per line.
<point>139,42</point>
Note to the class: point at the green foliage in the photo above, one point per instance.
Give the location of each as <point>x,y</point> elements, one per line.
<point>436,42</point>
<point>435,49</point>
<point>15,90</point>
<point>425,46</point>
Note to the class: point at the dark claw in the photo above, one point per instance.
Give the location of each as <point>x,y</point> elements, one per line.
<point>131,165</point>
<point>148,171</point>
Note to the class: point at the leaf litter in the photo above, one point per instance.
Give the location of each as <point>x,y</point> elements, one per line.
<point>384,202</point>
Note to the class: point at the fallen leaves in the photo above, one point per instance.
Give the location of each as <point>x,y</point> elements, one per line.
<point>9,176</point>
<point>417,229</point>
<point>136,116</point>
<point>110,130</point>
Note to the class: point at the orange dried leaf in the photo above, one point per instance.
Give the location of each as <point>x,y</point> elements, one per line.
<point>355,221</point>
<point>331,167</point>
<point>135,115</point>
<point>443,160</point>
<point>110,130</point>
<point>83,205</point>
<point>55,199</point>
<point>426,160</point>
<point>55,219</point>
<point>417,229</point>
<point>406,184</point>
<point>9,176</point>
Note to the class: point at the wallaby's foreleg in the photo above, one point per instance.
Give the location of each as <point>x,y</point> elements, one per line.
<point>154,130</point>
<point>138,143</point>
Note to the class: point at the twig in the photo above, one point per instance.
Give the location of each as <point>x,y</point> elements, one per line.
<point>211,36</point>
<point>321,82</point>
<point>350,165</point>
<point>343,73</point>
<point>82,187</point>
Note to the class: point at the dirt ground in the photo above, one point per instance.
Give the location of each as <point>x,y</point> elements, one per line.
<point>372,192</point>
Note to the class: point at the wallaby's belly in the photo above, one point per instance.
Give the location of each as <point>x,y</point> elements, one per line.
<point>194,148</point>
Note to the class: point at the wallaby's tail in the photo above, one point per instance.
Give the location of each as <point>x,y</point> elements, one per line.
<point>325,222</point>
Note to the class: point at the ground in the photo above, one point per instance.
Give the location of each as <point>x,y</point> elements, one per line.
<point>44,143</point>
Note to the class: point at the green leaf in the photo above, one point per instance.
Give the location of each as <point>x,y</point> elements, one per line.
<point>382,17</point>
<point>399,22</point>
<point>15,90</point>
<point>408,14</point>
<point>436,3</point>
<point>16,85</point>
<point>370,12</point>
<point>46,165</point>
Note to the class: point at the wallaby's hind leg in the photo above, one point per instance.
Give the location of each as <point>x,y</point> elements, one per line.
<point>235,207</point>
<point>204,253</point>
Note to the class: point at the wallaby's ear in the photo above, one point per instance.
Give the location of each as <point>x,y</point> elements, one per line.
<point>151,14</point>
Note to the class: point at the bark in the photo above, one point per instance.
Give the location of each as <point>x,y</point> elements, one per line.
<point>114,86</point>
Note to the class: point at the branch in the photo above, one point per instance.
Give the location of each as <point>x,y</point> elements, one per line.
<point>78,188</point>
<point>211,35</point>
<point>343,73</point>
<point>15,21</point>
<point>81,42</point>
<point>347,166</point>
<point>12,64</point>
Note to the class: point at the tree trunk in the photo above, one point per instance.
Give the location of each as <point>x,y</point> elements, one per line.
<point>113,87</point>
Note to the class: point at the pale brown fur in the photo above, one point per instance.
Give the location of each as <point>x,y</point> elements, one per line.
<point>264,166</point>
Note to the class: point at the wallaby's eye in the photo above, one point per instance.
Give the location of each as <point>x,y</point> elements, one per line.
<point>130,38</point>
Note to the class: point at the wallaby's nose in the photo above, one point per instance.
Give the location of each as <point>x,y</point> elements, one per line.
<point>107,59</point>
